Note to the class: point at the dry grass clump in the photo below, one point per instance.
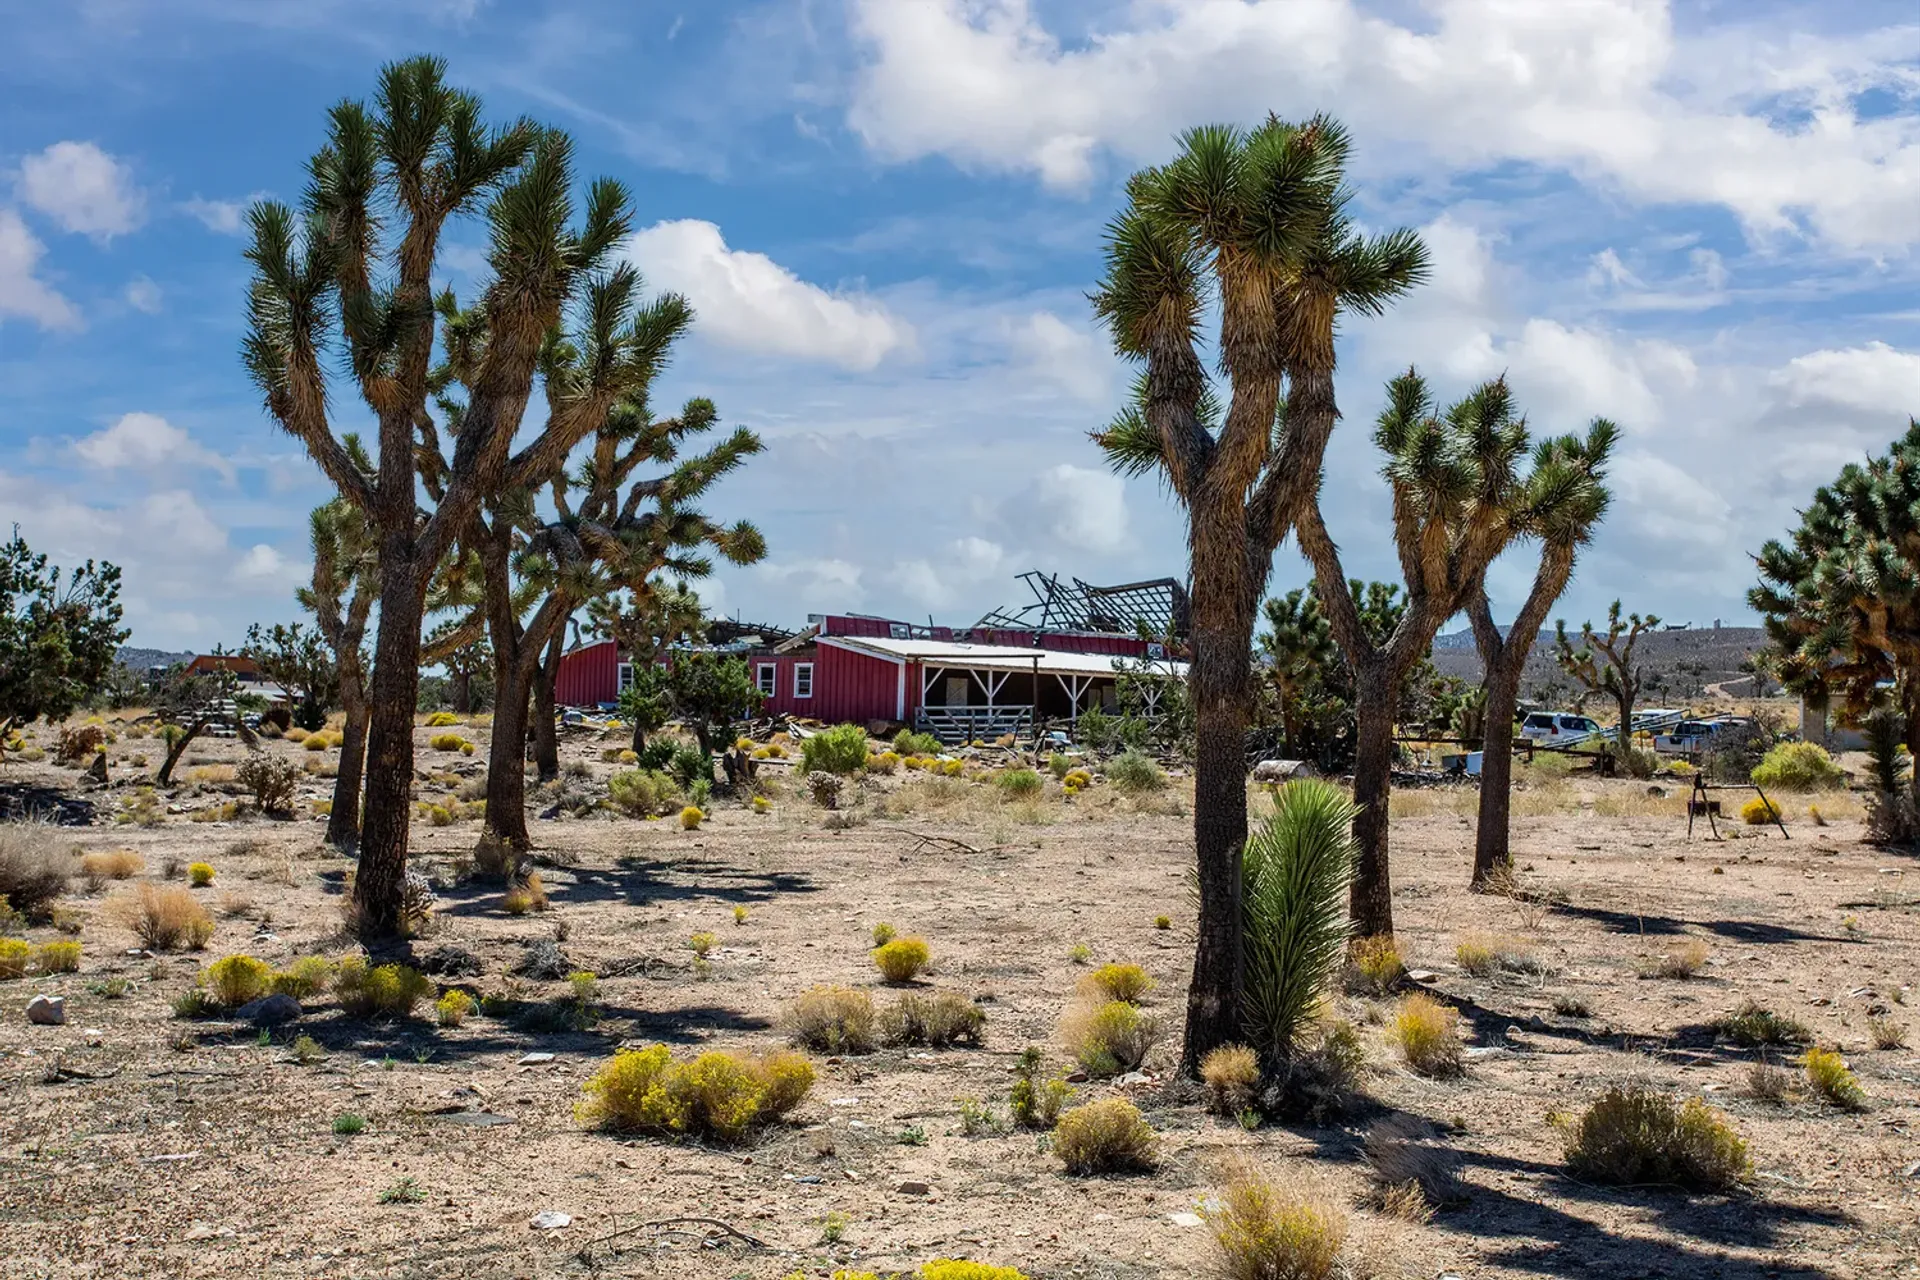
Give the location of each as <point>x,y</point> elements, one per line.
<point>1110,1038</point>
<point>937,1021</point>
<point>1109,1136</point>
<point>168,918</point>
<point>1266,1230</point>
<point>718,1095</point>
<point>1886,1033</point>
<point>529,893</point>
<point>34,867</point>
<point>1427,1034</point>
<point>57,957</point>
<point>236,980</point>
<point>1232,1076</point>
<point>1753,1024</point>
<point>117,864</point>
<point>831,1019</point>
<point>15,956</point>
<point>1128,982</point>
<point>1829,1077</point>
<point>1634,1136</point>
<point>1374,965</point>
<point>1766,1082</point>
<point>1412,1173</point>
<point>1483,955</point>
<point>211,774</point>
<point>901,959</point>
<point>1684,959</point>
<point>386,991</point>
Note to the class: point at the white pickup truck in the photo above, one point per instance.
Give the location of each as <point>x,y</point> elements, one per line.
<point>1554,728</point>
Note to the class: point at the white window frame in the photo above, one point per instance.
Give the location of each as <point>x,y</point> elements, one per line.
<point>766,678</point>
<point>807,669</point>
<point>623,677</point>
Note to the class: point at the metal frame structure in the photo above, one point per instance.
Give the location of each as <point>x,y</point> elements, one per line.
<point>1156,607</point>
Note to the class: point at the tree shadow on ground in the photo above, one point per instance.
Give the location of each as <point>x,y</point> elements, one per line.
<point>640,883</point>
<point>1670,926</point>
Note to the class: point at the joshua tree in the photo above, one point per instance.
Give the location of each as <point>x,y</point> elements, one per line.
<point>345,581</point>
<point>1603,664</point>
<point>1566,498</point>
<point>1298,648</point>
<point>1458,500</point>
<point>1251,225</point>
<point>351,272</point>
<point>1842,595</point>
<point>609,526</point>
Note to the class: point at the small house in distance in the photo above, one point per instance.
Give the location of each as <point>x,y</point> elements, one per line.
<point>959,684</point>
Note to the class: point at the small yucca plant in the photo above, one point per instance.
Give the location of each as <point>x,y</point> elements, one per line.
<point>1295,870</point>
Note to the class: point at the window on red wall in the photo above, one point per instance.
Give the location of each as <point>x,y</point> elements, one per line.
<point>803,680</point>
<point>767,676</point>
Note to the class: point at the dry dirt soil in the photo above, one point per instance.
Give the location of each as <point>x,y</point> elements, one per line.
<point>136,1144</point>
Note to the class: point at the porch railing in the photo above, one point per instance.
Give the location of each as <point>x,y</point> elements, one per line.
<point>955,725</point>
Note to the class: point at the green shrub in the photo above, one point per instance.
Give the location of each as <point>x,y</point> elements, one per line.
<point>1036,1103</point>
<point>1018,784</point>
<point>388,991</point>
<point>1267,1231</point>
<point>1754,1025</point>
<point>1134,774</point>
<point>901,959</point>
<point>1799,766</point>
<point>909,743</point>
<point>1110,1038</point>
<point>1109,1136</point>
<point>1828,1076</point>
<point>841,749</point>
<point>1128,982</point>
<point>237,980</point>
<point>1059,765</point>
<point>446,742</point>
<point>719,1095</point>
<point>200,874</point>
<point>690,766</point>
<point>644,793</point>
<point>1635,1136</point>
<point>452,1008</point>
<point>1374,965</point>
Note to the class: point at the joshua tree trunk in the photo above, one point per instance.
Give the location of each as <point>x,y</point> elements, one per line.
<point>507,755</point>
<point>343,820</point>
<point>1219,680</point>
<point>1813,717</point>
<point>546,734</point>
<point>460,688</point>
<point>396,688</point>
<point>1370,897</point>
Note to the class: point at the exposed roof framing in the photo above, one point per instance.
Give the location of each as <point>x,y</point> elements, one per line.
<point>1157,607</point>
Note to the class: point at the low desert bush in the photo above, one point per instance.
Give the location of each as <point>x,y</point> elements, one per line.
<point>236,980</point>
<point>117,864</point>
<point>1427,1034</point>
<point>34,867</point>
<point>1766,1082</point>
<point>703,943</point>
<point>883,762</point>
<point>1109,1136</point>
<point>1128,982</point>
<point>385,991</point>
<point>1886,1033</point>
<point>76,743</point>
<point>442,720</point>
<point>1111,1038</point>
<point>1232,1076</point>
<point>528,893</point>
<point>883,933</point>
<point>1799,766</point>
<point>314,742</point>
<point>1758,813</point>
<point>644,793</point>
<point>15,956</point>
<point>937,1021</point>
<point>446,742</point>
<point>718,1095</point>
<point>168,918</point>
<point>1266,1230</point>
<point>57,957</point>
<point>1018,784</point>
<point>1829,1077</point>
<point>452,1008</point>
<point>1034,1102</point>
<point>199,874</point>
<point>832,1020</point>
<point>1684,960</point>
<point>1635,1135</point>
<point>1482,955</point>
<point>1134,774</point>
<point>1753,1025</point>
<point>1374,965</point>
<point>270,780</point>
<point>841,749</point>
<point>691,817</point>
<point>196,1002</point>
<point>901,959</point>
<point>1412,1173</point>
<point>1059,765</point>
<point>909,743</point>
<point>303,978</point>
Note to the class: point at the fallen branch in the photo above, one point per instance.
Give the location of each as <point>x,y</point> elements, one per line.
<point>926,838</point>
<point>725,1228</point>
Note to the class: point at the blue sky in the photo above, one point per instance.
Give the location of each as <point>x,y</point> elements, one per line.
<point>1696,219</point>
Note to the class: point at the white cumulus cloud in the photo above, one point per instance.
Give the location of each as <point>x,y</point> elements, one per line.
<point>143,295</point>
<point>748,301</point>
<point>1875,378</point>
<point>143,441</point>
<point>22,292</point>
<point>82,188</point>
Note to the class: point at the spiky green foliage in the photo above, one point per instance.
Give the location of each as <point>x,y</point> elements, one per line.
<point>56,641</point>
<point>1296,868</point>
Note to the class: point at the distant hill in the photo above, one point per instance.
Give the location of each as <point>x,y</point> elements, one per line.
<point>143,660</point>
<point>1685,662</point>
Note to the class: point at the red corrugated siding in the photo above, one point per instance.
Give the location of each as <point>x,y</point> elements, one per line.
<point>588,676</point>
<point>853,687</point>
<point>1064,643</point>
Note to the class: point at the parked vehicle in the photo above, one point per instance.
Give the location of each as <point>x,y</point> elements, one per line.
<point>1690,736</point>
<point>1558,727</point>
